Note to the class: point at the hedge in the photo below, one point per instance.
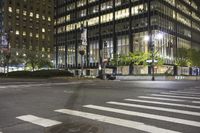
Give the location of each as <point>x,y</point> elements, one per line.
<point>41,73</point>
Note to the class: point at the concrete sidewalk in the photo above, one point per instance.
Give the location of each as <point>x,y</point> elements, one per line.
<point>161,78</point>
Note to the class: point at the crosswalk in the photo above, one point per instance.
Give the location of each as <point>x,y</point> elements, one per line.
<point>153,107</point>
<point>39,121</point>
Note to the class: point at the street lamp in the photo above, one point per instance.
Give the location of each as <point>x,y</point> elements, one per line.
<point>82,47</point>
<point>105,58</point>
<point>149,38</point>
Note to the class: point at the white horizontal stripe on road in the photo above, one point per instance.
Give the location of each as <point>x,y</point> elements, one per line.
<point>2,87</point>
<point>183,97</point>
<point>156,108</point>
<point>195,101</point>
<point>164,103</point>
<point>164,99</point>
<point>35,85</point>
<point>146,115</point>
<point>186,92</point>
<point>38,120</point>
<point>177,94</point>
<point>117,121</point>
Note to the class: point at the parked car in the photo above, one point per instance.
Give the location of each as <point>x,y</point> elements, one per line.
<point>108,76</point>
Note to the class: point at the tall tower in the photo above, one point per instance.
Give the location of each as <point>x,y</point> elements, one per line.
<point>29,25</point>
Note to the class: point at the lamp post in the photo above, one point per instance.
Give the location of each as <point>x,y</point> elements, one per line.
<point>153,57</point>
<point>152,40</point>
<point>82,47</point>
<point>82,52</point>
<point>105,59</point>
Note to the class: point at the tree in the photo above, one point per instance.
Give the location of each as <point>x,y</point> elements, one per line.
<point>183,57</point>
<point>44,63</point>
<point>138,58</point>
<point>194,57</point>
<point>16,60</point>
<point>37,60</point>
<point>31,59</point>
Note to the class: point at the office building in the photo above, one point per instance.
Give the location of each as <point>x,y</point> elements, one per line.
<point>123,25</point>
<point>28,25</point>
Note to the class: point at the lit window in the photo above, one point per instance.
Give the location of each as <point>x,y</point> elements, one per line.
<point>43,17</point>
<point>17,32</point>
<point>10,9</point>
<point>43,49</point>
<point>17,11</point>
<point>24,13</point>
<point>24,33</point>
<point>31,34</point>
<point>31,14</point>
<point>43,29</point>
<point>37,35</point>
<point>37,16</point>
<point>49,19</point>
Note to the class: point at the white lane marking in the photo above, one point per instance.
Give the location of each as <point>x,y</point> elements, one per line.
<point>155,108</point>
<point>186,92</point>
<point>38,120</point>
<point>146,115</point>
<point>164,99</point>
<point>179,94</point>
<point>117,121</point>
<point>163,103</point>
<point>195,101</point>
<point>35,85</point>
<point>2,87</point>
<point>183,97</point>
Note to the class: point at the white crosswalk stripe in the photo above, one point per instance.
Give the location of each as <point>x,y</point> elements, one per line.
<point>156,108</point>
<point>117,121</point>
<point>38,120</point>
<point>164,99</point>
<point>172,93</point>
<point>195,101</point>
<point>183,97</point>
<point>186,92</point>
<point>163,103</point>
<point>145,115</point>
<point>154,113</point>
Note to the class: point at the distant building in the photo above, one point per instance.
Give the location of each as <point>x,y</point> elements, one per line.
<point>28,25</point>
<point>125,26</point>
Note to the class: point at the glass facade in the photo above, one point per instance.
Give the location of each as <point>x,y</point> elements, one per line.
<point>123,25</point>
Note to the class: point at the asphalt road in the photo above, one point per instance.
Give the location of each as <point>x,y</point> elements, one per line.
<point>89,106</point>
